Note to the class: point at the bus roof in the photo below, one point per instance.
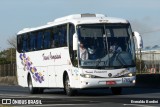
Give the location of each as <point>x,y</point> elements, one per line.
<point>77,19</point>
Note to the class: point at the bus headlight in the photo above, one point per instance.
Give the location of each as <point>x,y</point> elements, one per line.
<point>132,74</point>
<point>87,76</point>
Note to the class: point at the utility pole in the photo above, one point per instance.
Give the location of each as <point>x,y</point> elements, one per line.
<point>11,55</point>
<point>11,63</point>
<point>140,61</point>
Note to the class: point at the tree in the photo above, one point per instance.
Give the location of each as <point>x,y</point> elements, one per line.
<point>8,56</point>
<point>12,41</point>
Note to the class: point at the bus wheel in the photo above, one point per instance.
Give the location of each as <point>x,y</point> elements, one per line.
<point>67,88</point>
<point>40,90</point>
<point>32,90</point>
<point>116,90</point>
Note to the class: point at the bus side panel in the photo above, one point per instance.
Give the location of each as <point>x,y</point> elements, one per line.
<point>21,76</point>
<point>40,79</point>
<point>75,77</point>
<point>52,76</point>
<point>21,73</point>
<point>31,63</point>
<point>61,65</point>
<point>59,75</point>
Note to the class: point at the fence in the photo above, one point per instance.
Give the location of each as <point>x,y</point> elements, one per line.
<point>150,61</point>
<point>8,70</point>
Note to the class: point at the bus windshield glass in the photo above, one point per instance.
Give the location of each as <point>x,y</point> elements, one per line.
<point>105,46</point>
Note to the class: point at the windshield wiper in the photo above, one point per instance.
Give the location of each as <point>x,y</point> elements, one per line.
<point>99,61</point>
<point>120,60</point>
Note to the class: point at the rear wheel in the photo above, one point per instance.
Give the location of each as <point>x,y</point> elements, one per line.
<point>32,90</point>
<point>116,90</point>
<point>40,90</point>
<point>69,91</point>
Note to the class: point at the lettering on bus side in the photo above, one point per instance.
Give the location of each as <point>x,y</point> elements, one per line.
<point>50,56</point>
<point>96,71</point>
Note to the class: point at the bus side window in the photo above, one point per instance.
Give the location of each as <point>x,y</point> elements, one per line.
<point>59,36</point>
<point>19,43</point>
<point>25,43</point>
<point>46,40</point>
<point>33,41</point>
<point>56,40</point>
<point>52,38</point>
<point>40,40</point>
<point>63,35</point>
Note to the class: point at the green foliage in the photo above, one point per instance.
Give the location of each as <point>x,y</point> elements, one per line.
<point>8,56</point>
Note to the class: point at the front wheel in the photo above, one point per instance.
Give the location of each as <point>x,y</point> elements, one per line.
<point>116,90</point>
<point>69,91</point>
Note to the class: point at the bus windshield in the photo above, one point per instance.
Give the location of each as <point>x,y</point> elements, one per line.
<point>105,46</point>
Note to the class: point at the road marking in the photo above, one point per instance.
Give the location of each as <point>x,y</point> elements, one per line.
<point>138,105</point>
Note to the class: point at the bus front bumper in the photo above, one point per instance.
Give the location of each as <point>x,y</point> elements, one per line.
<point>107,82</point>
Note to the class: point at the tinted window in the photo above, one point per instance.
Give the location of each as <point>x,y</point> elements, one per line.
<point>56,39</point>
<point>40,40</point>
<point>52,36</point>
<point>63,35</point>
<point>47,39</point>
<point>60,36</point>
<point>25,43</point>
<point>19,43</point>
<point>33,41</point>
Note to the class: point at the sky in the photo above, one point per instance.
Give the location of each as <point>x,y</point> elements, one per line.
<point>144,15</point>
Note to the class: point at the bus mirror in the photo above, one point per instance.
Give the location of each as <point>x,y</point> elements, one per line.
<point>138,39</point>
<point>75,40</point>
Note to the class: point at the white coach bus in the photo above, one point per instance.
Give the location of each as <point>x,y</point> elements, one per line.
<point>77,52</point>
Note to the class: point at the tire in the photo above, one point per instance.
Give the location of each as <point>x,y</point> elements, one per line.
<point>68,90</point>
<point>40,90</point>
<point>32,90</point>
<point>116,90</point>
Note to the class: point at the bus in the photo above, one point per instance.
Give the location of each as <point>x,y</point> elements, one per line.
<point>77,52</point>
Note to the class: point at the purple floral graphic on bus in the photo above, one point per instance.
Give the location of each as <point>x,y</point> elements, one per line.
<point>28,65</point>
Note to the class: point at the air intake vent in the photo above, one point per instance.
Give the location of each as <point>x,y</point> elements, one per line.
<point>88,15</point>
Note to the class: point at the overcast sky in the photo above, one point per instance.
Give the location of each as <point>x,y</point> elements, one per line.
<point>15,15</point>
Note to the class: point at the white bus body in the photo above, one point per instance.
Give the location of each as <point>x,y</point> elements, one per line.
<point>40,66</point>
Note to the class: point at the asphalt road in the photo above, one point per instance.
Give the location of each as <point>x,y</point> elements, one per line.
<point>131,97</point>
